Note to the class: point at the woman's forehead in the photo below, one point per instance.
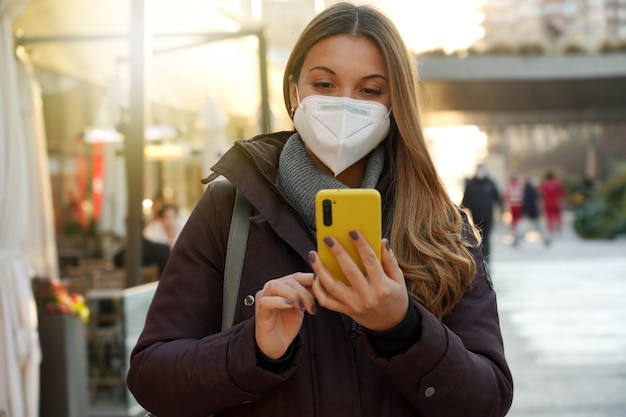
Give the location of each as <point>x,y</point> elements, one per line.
<point>342,52</point>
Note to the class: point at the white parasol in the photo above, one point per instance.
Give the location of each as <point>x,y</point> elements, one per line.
<point>39,242</point>
<point>110,114</point>
<point>214,121</point>
<point>27,244</point>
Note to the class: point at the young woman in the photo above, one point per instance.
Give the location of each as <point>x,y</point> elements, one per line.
<point>166,227</point>
<point>417,335</point>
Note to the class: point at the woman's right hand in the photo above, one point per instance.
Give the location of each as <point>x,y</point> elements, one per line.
<point>279,312</point>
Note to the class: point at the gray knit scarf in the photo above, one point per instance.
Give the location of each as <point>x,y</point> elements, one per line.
<point>301,179</point>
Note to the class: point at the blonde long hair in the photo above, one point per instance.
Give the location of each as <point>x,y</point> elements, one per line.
<point>437,265</point>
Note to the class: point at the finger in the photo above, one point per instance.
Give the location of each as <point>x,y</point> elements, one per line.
<point>346,262</point>
<point>268,303</point>
<point>390,263</point>
<point>303,287</point>
<point>296,288</point>
<point>289,283</point>
<point>326,299</point>
<point>303,278</point>
<point>369,258</point>
<point>325,285</point>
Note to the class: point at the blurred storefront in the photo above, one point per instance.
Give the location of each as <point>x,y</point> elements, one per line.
<point>208,82</point>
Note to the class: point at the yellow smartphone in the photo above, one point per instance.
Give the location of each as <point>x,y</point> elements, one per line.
<point>339,211</point>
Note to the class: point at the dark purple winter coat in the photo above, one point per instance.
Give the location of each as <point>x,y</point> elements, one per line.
<point>183,366</point>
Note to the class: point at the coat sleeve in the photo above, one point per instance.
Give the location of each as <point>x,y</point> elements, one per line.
<point>457,367</point>
<point>182,364</point>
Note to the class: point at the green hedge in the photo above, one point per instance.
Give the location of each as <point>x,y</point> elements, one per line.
<point>603,215</point>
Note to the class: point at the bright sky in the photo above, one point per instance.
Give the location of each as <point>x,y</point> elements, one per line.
<point>455,151</point>
<point>431,24</point>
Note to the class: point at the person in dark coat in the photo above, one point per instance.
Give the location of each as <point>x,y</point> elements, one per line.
<point>531,211</point>
<point>480,197</point>
<point>530,201</point>
<point>152,253</point>
<point>415,334</point>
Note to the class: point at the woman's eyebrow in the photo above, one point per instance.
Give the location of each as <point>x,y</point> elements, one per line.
<point>367,77</point>
<point>322,68</point>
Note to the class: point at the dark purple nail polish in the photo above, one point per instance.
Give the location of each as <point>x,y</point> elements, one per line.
<point>354,235</point>
<point>288,302</point>
<point>329,242</point>
<point>314,276</point>
<point>387,246</point>
<point>312,256</point>
<point>300,304</point>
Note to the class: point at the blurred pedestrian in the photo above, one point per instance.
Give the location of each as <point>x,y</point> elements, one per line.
<point>166,226</point>
<point>514,198</point>
<point>531,210</point>
<point>480,197</point>
<point>553,195</point>
<point>152,254</point>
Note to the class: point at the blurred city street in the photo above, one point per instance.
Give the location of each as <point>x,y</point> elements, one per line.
<point>563,315</point>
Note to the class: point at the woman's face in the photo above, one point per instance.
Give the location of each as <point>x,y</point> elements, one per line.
<point>344,66</point>
<point>169,218</point>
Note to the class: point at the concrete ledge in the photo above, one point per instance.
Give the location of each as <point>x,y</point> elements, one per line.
<point>516,67</point>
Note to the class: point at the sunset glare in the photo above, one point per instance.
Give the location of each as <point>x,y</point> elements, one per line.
<point>426,25</point>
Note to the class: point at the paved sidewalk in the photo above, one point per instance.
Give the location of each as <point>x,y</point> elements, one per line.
<point>563,315</point>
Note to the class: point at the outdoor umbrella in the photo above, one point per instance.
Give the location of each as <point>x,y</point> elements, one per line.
<point>109,116</point>
<point>39,242</point>
<point>215,139</point>
<point>20,190</point>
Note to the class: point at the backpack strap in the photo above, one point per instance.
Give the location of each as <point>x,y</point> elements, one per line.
<point>235,253</point>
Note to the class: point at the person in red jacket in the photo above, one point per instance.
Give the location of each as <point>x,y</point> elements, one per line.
<point>514,198</point>
<point>552,194</point>
<point>417,334</point>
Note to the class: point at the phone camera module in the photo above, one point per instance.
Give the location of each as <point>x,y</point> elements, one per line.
<point>327,212</point>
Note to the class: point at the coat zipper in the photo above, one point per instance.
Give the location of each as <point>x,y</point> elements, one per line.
<point>355,334</point>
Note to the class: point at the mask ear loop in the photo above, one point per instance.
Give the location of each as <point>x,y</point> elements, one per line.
<point>293,109</point>
<point>297,94</point>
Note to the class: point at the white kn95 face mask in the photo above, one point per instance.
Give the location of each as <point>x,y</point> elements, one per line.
<point>341,130</point>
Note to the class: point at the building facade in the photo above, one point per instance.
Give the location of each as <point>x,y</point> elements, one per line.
<point>553,26</point>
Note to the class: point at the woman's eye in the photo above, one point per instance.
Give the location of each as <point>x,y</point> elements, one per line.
<point>372,92</point>
<point>323,85</point>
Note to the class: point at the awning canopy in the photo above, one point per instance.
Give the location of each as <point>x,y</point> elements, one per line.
<point>199,52</point>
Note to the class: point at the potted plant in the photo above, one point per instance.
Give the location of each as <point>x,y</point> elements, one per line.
<point>62,333</point>
<point>53,298</point>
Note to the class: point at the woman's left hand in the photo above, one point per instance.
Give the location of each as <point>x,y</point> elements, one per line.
<point>377,300</point>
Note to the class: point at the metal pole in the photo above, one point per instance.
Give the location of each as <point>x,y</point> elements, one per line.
<point>265,122</point>
<point>139,64</point>
<point>203,37</point>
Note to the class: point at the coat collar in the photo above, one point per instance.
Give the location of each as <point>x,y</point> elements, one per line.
<point>251,166</point>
